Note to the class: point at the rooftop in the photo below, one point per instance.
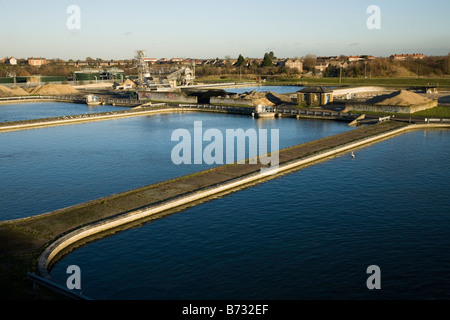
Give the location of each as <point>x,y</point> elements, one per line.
<point>318,89</point>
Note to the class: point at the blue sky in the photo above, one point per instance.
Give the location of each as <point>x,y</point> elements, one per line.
<point>210,29</point>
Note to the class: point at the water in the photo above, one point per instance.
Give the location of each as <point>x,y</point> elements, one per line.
<point>55,167</point>
<point>40,110</point>
<point>276,89</point>
<point>307,235</point>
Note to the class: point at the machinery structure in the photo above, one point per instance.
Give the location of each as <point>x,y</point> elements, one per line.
<point>166,77</point>
<point>143,68</point>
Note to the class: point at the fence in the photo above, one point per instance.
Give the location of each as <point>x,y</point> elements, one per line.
<point>39,281</point>
<point>68,98</point>
<point>71,83</point>
<point>243,110</point>
<point>73,99</point>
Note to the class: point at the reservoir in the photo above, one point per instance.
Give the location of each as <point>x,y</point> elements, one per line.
<point>310,234</point>
<point>40,110</point>
<point>276,89</point>
<point>51,168</point>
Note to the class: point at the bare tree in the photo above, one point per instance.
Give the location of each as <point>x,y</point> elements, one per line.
<point>309,62</point>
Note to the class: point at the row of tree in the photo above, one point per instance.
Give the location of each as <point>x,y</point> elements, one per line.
<point>379,67</point>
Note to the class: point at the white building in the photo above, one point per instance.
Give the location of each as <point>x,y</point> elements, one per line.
<point>11,61</point>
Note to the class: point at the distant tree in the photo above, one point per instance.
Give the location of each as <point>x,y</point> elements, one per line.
<point>267,61</point>
<point>23,73</point>
<point>240,61</point>
<point>309,62</point>
<point>448,63</point>
<point>272,55</point>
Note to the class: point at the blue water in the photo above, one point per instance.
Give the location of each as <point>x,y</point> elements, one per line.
<point>307,235</point>
<point>276,89</point>
<point>55,167</point>
<point>40,110</point>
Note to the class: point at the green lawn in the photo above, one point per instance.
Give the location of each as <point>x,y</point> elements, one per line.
<point>389,82</point>
<point>437,112</point>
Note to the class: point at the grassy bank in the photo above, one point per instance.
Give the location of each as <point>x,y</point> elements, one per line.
<point>437,112</point>
<point>388,82</point>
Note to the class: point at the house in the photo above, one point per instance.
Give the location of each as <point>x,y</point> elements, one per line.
<point>151,60</point>
<point>37,62</point>
<point>292,64</point>
<point>176,60</point>
<point>321,67</point>
<point>80,63</point>
<point>403,57</point>
<point>325,60</point>
<point>11,61</point>
<point>354,58</point>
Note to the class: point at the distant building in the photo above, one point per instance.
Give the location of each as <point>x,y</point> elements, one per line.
<point>151,60</point>
<point>321,67</point>
<point>81,64</point>
<point>293,64</point>
<point>11,61</point>
<point>403,57</point>
<point>325,60</point>
<point>354,58</point>
<point>37,61</point>
<point>314,96</point>
<point>176,60</point>
<point>360,58</point>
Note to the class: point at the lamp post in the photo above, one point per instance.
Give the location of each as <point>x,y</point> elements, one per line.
<point>365,69</point>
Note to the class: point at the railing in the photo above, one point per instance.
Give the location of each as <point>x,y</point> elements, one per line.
<point>71,83</point>
<point>330,114</point>
<point>39,281</point>
<point>41,98</point>
<point>436,120</point>
<point>249,110</point>
<point>121,101</point>
<point>215,107</point>
<point>73,98</point>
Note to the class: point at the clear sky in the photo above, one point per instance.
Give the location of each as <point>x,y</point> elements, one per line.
<point>209,28</point>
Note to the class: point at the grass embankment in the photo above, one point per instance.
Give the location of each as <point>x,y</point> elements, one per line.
<point>389,82</point>
<point>437,112</point>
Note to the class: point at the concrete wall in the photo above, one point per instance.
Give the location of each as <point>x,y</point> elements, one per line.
<point>230,101</point>
<point>314,99</point>
<point>345,91</point>
<point>361,106</point>
<point>169,96</point>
